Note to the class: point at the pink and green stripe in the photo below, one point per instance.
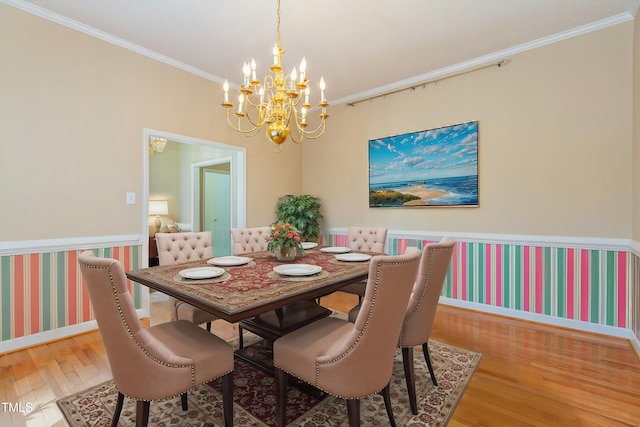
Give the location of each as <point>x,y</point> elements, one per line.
<point>591,285</point>
<point>44,291</point>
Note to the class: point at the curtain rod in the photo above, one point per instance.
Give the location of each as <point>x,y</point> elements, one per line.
<point>498,64</point>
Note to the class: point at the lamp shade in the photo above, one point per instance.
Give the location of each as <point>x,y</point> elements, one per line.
<point>158,207</point>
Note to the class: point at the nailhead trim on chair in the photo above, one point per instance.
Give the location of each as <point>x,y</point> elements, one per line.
<point>359,337</point>
<point>152,357</point>
<point>424,291</point>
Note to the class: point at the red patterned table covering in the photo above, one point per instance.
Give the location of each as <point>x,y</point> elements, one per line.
<point>247,290</point>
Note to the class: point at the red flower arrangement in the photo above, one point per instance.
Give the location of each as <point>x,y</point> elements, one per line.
<point>284,237</point>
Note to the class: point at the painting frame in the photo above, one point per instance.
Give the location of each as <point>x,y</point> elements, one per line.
<point>436,167</point>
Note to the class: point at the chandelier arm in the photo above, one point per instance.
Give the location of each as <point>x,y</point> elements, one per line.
<point>238,128</point>
<point>313,134</point>
<point>259,122</point>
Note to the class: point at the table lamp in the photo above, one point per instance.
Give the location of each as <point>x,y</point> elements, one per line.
<point>157,208</point>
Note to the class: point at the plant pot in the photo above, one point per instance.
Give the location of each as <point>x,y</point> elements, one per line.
<point>286,254</point>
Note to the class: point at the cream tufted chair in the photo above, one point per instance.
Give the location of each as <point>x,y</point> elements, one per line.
<point>365,239</point>
<point>421,311</point>
<point>175,248</point>
<point>247,240</point>
<point>351,360</point>
<point>155,363</point>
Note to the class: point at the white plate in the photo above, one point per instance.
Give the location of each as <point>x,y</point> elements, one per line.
<point>336,250</point>
<point>309,245</point>
<point>353,257</point>
<point>229,260</point>
<point>201,272</point>
<point>297,269</point>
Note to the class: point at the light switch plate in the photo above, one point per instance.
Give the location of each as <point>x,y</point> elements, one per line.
<point>131,198</point>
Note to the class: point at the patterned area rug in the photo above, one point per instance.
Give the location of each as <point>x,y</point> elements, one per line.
<point>254,396</point>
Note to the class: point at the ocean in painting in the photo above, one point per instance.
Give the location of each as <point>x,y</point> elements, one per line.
<point>461,190</point>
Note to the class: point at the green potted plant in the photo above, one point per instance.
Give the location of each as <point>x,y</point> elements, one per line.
<point>302,212</point>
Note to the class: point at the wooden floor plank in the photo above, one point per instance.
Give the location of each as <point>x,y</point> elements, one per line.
<point>529,375</point>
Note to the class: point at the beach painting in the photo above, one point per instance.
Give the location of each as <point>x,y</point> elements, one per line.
<point>435,167</point>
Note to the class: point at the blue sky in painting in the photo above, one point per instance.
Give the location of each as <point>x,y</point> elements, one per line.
<point>436,153</point>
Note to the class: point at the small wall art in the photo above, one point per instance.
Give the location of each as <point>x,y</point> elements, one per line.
<point>435,167</point>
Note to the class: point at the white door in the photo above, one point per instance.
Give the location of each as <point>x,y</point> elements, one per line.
<point>215,202</point>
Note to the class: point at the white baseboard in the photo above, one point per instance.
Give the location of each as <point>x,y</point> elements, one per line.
<point>635,343</point>
<point>543,319</point>
<point>54,335</point>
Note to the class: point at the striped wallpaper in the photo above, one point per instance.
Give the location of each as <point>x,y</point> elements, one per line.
<point>44,291</point>
<point>591,285</point>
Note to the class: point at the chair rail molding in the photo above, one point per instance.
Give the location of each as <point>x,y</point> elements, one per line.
<point>69,243</point>
<point>601,243</point>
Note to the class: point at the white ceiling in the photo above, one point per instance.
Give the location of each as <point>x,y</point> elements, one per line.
<point>361,47</point>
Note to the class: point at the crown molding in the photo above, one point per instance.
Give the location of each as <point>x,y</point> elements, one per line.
<point>483,60</point>
<point>75,25</point>
<point>416,80</point>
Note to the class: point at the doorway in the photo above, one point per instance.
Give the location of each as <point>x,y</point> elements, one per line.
<point>202,180</point>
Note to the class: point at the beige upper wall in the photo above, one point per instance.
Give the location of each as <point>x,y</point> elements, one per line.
<point>555,144</point>
<point>556,138</point>
<point>72,113</point>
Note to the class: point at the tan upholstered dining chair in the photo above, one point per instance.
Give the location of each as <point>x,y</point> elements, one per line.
<point>351,360</point>
<point>365,239</point>
<point>176,248</point>
<point>155,363</point>
<point>421,310</point>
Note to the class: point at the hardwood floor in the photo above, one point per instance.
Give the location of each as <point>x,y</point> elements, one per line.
<point>529,375</point>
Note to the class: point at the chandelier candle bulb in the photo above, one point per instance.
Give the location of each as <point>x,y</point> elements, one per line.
<point>294,77</point>
<point>246,70</point>
<point>225,87</point>
<point>303,68</point>
<point>322,87</point>
<point>254,80</point>
<point>240,101</point>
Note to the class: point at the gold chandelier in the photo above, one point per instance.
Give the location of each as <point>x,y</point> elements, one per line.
<point>274,103</point>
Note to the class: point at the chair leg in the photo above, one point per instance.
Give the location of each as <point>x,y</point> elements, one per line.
<point>142,413</point>
<point>227,399</point>
<point>282,381</point>
<point>183,398</point>
<point>118,410</point>
<point>209,326</point>
<point>410,377</point>
<point>425,350</point>
<point>240,337</point>
<point>353,412</point>
<point>386,395</point>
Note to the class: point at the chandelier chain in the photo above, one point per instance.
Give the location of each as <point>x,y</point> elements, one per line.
<point>278,27</point>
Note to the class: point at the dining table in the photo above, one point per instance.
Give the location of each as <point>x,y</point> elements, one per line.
<point>253,285</point>
<point>259,292</point>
